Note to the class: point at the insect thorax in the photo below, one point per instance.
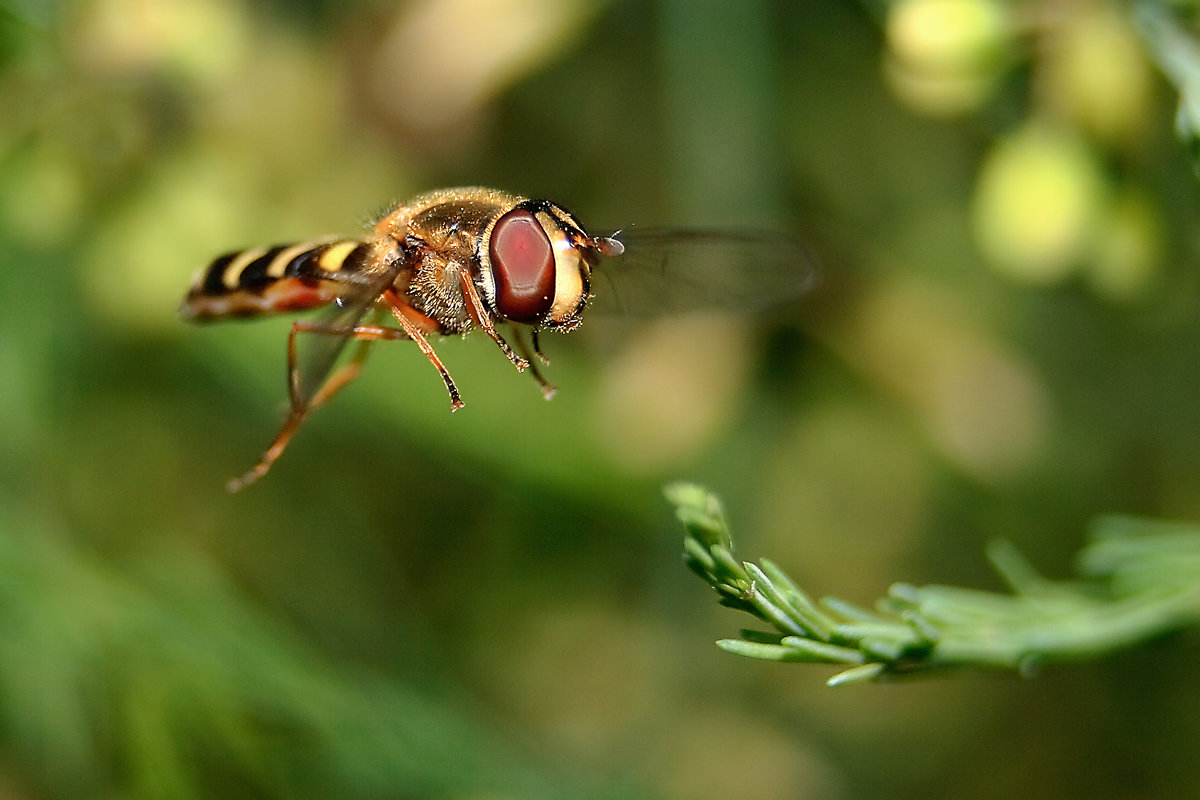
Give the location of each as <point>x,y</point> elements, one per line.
<point>451,232</point>
<point>435,290</point>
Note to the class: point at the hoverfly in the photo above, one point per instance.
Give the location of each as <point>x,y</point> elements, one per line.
<point>456,260</point>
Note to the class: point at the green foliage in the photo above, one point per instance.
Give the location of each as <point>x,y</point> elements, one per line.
<point>1140,579</point>
<point>418,604</point>
<point>161,679</point>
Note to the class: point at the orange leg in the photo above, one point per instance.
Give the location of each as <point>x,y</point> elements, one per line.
<point>344,375</point>
<point>334,383</point>
<point>485,321</point>
<point>411,331</point>
<point>299,408</point>
<point>548,389</point>
<point>268,458</point>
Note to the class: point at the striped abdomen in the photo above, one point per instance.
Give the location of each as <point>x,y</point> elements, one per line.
<point>269,280</point>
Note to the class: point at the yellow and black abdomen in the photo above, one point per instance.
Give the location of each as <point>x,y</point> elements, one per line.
<point>272,280</point>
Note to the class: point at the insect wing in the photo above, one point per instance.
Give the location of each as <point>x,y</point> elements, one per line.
<point>666,271</point>
<point>319,350</point>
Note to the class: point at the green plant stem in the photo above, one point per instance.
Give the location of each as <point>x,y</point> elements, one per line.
<point>1141,579</point>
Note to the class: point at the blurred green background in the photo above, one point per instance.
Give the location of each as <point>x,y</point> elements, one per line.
<point>492,605</point>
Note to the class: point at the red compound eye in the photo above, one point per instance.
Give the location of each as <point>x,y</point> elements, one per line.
<point>523,264</point>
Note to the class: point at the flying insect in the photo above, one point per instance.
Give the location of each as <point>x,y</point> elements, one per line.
<point>458,260</point>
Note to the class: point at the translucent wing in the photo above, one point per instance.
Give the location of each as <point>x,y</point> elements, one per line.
<point>665,271</point>
<point>318,352</point>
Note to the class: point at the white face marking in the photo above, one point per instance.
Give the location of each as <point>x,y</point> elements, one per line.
<point>568,272</point>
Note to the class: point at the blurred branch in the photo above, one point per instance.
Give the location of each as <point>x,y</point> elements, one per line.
<point>1141,578</point>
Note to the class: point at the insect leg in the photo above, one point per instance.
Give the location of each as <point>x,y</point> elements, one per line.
<point>365,335</point>
<point>334,383</point>
<point>344,375</point>
<point>485,322</point>
<point>411,331</point>
<point>537,347</point>
<point>548,390</point>
<point>268,458</point>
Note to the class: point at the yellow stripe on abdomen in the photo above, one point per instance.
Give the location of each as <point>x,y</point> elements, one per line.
<point>232,276</point>
<point>279,264</point>
<point>333,258</point>
<point>263,280</point>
